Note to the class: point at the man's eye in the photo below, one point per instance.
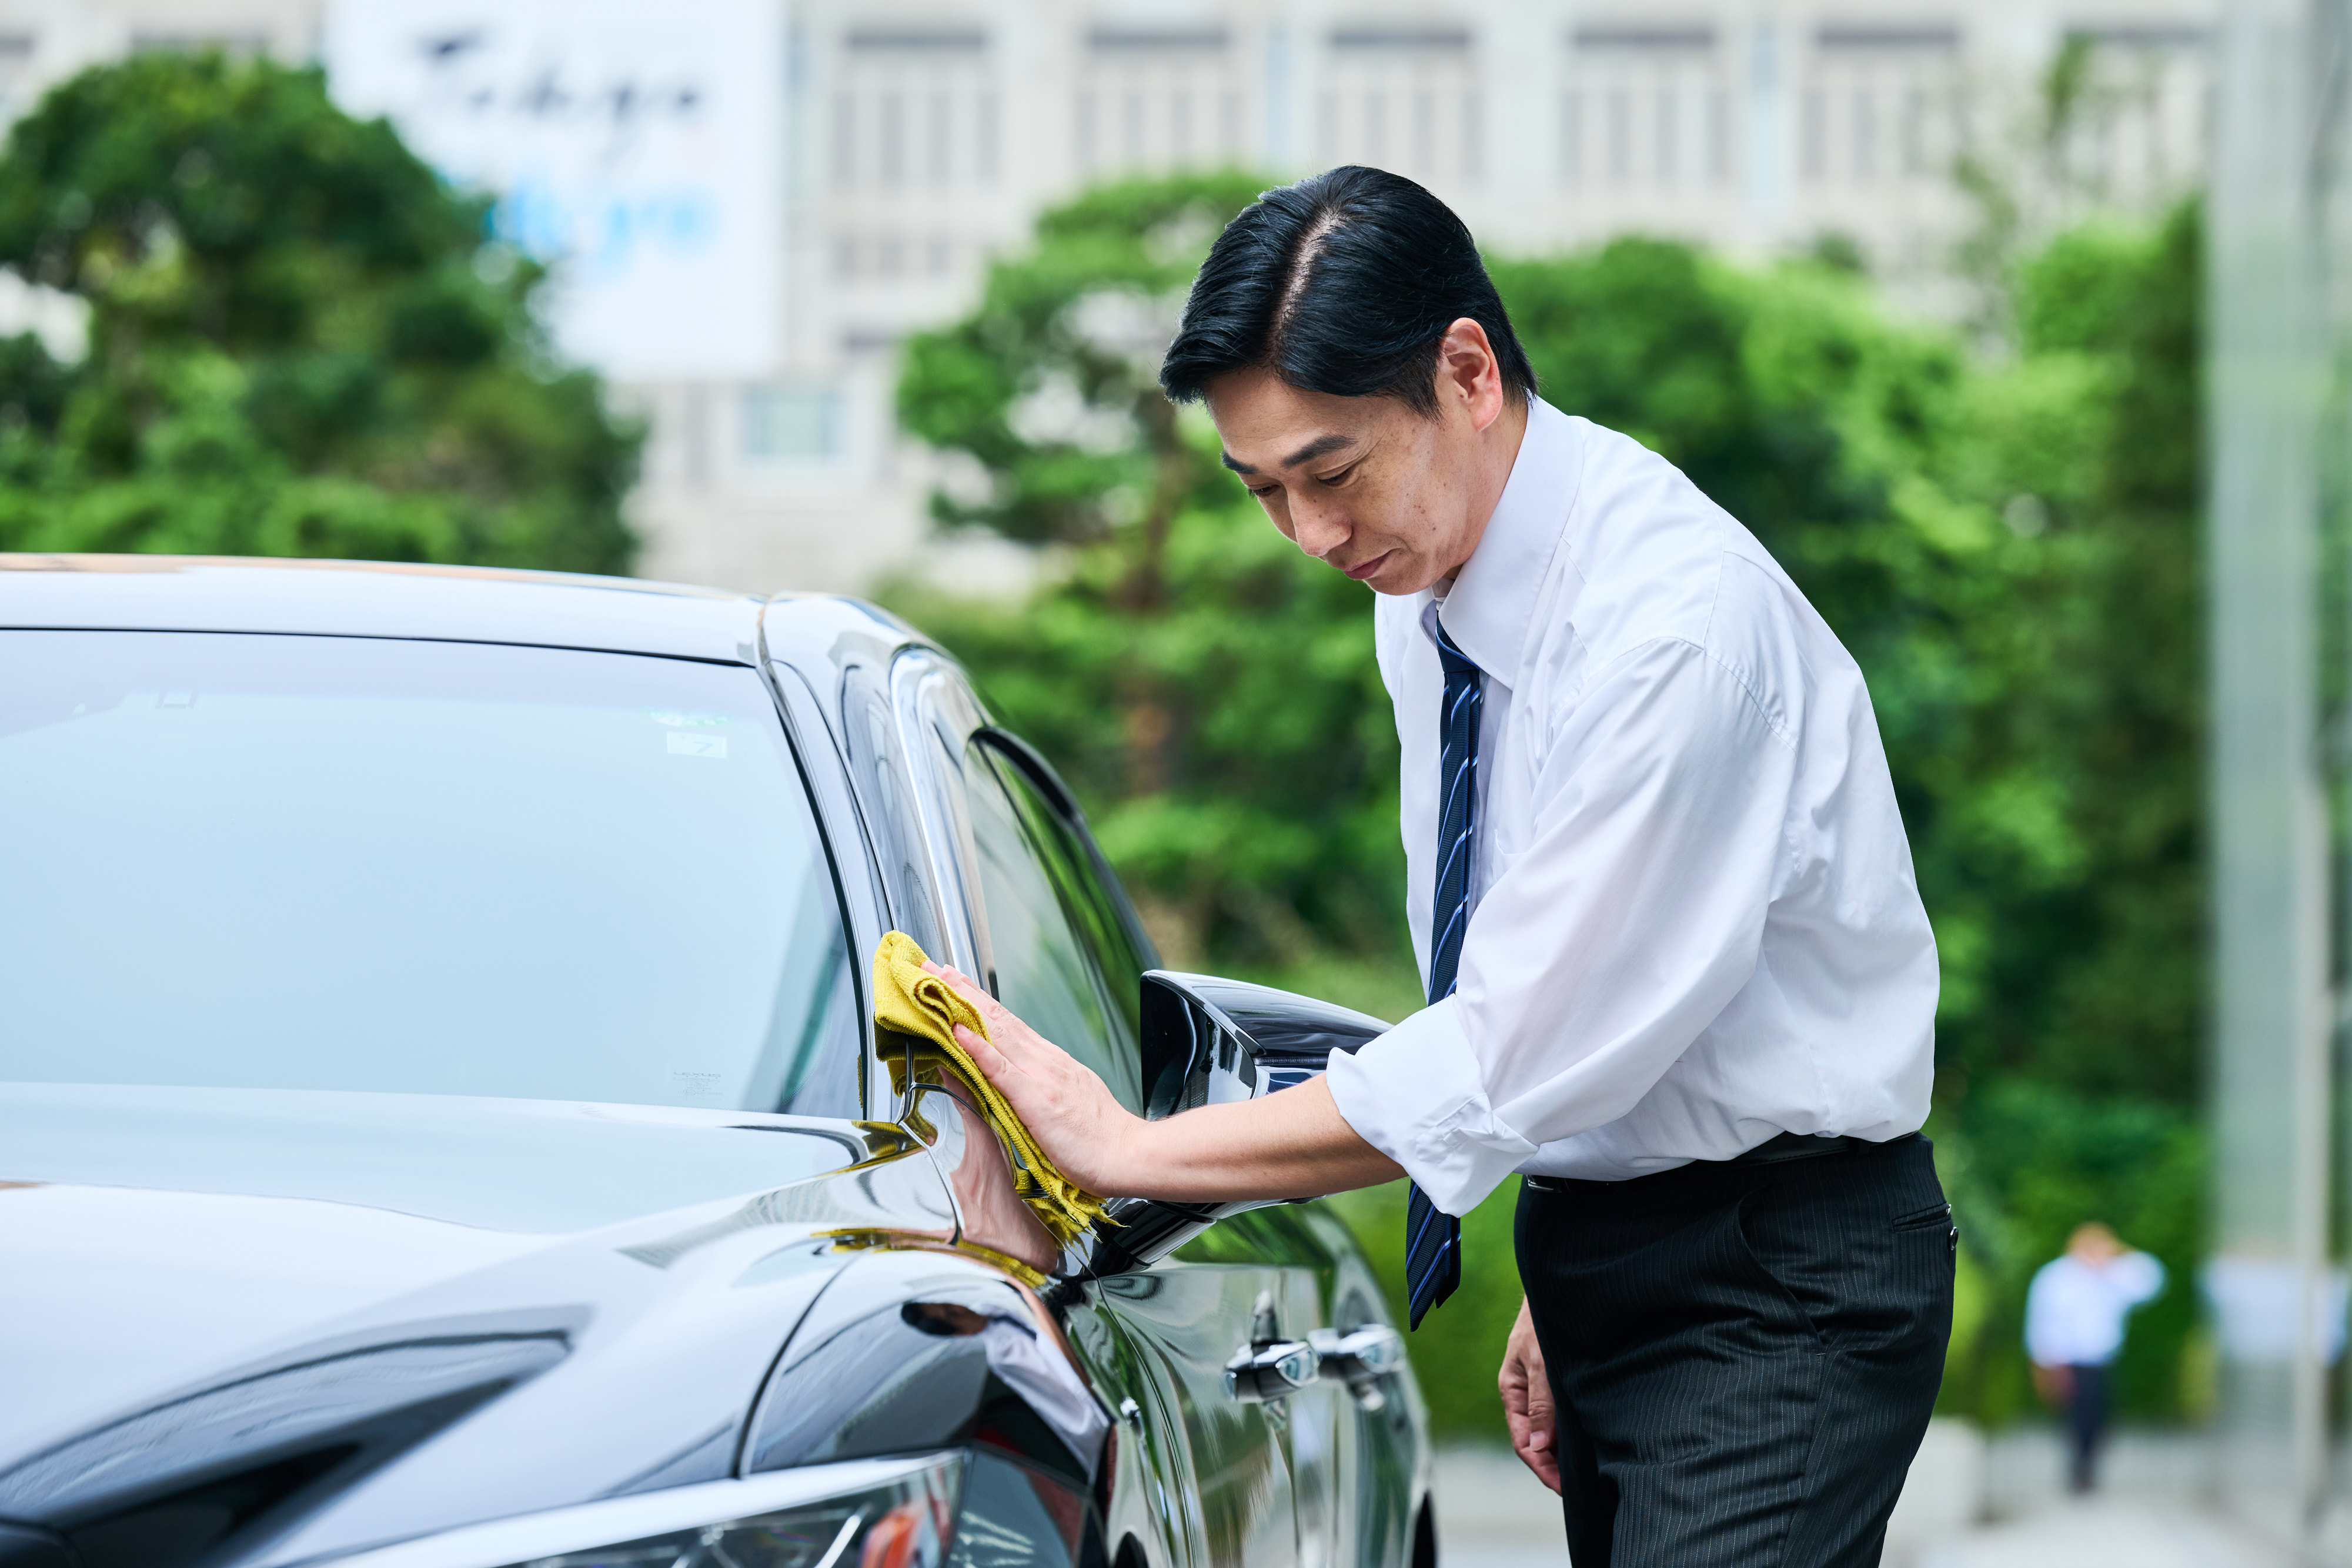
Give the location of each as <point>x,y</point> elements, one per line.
<point>1262,491</point>
<point>1340,477</point>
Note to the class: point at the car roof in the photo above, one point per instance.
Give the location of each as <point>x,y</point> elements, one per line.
<point>376,599</point>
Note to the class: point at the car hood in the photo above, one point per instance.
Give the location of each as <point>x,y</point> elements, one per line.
<point>592,1293</point>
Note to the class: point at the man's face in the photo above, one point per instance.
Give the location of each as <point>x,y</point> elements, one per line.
<point>1393,497</point>
<point>1360,483</point>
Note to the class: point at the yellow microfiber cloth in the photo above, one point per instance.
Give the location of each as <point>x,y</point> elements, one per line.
<point>925,1008</point>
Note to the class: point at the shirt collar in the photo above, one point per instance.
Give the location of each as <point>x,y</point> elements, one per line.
<point>1493,601</point>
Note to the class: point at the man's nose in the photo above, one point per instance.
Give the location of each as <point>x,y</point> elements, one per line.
<point>1320,530</point>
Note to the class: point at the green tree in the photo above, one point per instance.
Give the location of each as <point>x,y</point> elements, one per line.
<point>2063,853</point>
<point>299,342</point>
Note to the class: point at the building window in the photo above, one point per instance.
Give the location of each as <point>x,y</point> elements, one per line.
<point>1875,99</point>
<point>900,114</point>
<point>791,421</point>
<point>1654,85</point>
<point>983,139</point>
<point>844,140</point>
<point>890,138</point>
<point>1915,132</point>
<point>1131,123</point>
<point>1155,93</point>
<point>940,133</point>
<point>1403,98</point>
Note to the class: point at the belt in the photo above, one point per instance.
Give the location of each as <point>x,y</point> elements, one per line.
<point>1778,1149</point>
<point>1782,1146</point>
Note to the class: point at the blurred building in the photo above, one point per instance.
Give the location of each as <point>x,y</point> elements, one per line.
<point>923,135</point>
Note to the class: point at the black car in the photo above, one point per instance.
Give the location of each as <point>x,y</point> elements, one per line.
<point>441,1124</point>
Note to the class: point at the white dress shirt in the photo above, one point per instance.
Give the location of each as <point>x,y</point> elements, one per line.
<point>1693,920</point>
<point>2074,1311</point>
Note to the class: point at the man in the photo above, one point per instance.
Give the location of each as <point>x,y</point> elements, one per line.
<point>2074,1314</point>
<point>1679,975</point>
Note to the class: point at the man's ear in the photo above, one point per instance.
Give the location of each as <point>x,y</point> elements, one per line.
<point>1467,367</point>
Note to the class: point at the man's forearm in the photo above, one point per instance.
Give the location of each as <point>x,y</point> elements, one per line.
<point>1291,1144</point>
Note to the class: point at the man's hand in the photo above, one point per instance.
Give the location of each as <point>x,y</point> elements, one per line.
<point>1291,1144</point>
<point>1527,1402</point>
<point>1070,1110</point>
<point>2056,1385</point>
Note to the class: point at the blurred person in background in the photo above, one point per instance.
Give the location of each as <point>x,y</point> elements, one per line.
<point>2075,1314</point>
<point>1679,977</point>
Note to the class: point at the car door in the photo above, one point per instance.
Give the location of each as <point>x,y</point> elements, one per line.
<point>1353,1451</point>
<point>1276,1274</point>
<point>1059,956</point>
<point>1049,935</point>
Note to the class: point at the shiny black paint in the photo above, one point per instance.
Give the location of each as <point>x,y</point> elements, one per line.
<point>912,1352</point>
<point>22,1546</point>
<point>659,1378</point>
<point>227,1469</point>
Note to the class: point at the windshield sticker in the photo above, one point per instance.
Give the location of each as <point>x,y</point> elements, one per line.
<point>698,1085</point>
<point>684,743</point>
<point>678,718</point>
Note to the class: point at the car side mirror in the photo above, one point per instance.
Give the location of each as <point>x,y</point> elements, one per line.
<point>1208,1040</point>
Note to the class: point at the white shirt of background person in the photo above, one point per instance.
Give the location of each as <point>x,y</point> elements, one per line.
<point>2076,1308</point>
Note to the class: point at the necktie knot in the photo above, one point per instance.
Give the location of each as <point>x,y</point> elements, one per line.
<point>1458,664</point>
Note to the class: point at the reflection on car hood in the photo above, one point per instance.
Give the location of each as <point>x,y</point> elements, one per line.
<point>600,1287</point>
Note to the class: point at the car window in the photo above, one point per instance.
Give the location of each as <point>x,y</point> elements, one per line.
<point>1098,914</point>
<point>881,768</point>
<point>432,868</point>
<point>1049,959</point>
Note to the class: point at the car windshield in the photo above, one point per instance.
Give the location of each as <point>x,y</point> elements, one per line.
<point>443,868</point>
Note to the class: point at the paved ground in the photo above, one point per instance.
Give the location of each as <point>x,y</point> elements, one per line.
<point>2108,1532</point>
<point>1491,1514</point>
<point>1969,1504</point>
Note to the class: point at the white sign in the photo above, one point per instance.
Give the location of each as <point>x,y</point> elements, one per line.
<point>636,149</point>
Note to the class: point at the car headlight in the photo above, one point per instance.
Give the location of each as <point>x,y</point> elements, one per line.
<point>865,1513</point>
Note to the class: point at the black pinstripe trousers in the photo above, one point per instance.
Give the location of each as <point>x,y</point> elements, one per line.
<point>1744,1355</point>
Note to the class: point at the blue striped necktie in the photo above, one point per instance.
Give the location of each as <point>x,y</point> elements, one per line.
<point>1432,1252</point>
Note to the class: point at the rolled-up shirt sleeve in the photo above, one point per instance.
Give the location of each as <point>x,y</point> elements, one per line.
<point>1603,949</point>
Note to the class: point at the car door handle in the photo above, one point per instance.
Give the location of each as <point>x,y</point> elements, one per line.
<point>1258,1375</point>
<point>1371,1351</point>
<point>1359,1359</point>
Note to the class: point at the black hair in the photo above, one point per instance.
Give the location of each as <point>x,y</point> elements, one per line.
<point>1344,283</point>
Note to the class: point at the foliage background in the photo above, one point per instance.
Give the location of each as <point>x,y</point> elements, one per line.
<point>298,342</point>
<point>2001,528</point>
